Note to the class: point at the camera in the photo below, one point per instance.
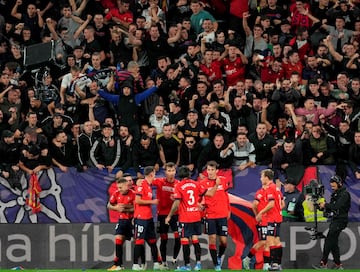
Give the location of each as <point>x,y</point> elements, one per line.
<point>315,189</point>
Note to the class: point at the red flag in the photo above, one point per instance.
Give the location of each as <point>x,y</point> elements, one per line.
<point>33,199</point>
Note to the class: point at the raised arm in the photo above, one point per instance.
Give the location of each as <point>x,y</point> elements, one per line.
<point>246,27</point>
<point>14,11</point>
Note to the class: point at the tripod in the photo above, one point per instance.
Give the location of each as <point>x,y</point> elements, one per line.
<point>315,233</point>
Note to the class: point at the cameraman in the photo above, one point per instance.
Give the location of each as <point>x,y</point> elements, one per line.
<point>338,209</point>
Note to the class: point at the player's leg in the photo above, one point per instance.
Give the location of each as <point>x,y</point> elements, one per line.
<point>222,233</point>
<point>139,240</point>
<point>174,225</point>
<point>277,248</point>
<point>270,242</point>
<point>163,230</point>
<point>196,231</point>
<point>123,231</point>
<point>185,234</point>
<point>150,237</point>
<point>210,228</point>
<point>262,233</point>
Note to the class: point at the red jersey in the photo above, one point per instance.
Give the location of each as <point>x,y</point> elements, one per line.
<point>260,197</point>
<point>274,193</point>
<point>126,17</point>
<point>145,192</point>
<point>217,206</point>
<point>268,75</point>
<point>189,193</point>
<point>289,68</point>
<point>213,72</point>
<point>118,198</point>
<point>165,193</point>
<point>234,70</point>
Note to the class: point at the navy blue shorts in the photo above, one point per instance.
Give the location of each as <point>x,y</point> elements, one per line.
<point>187,230</point>
<point>273,229</point>
<point>125,227</point>
<point>173,224</point>
<point>262,232</point>
<point>144,229</point>
<point>218,226</point>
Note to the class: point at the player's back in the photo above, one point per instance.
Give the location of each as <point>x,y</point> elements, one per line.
<point>189,193</point>
<point>274,193</point>
<point>261,198</point>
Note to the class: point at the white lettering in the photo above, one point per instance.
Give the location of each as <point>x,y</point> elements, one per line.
<point>294,247</point>
<point>98,238</point>
<point>25,246</point>
<point>65,237</point>
<point>84,243</point>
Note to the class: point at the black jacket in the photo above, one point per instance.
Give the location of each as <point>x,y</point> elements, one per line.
<point>339,205</point>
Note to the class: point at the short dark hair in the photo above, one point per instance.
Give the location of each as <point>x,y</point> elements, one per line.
<point>148,170</point>
<point>184,172</point>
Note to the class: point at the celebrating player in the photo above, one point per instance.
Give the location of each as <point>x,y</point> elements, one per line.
<point>143,220</point>
<point>122,201</point>
<point>165,195</point>
<point>217,212</point>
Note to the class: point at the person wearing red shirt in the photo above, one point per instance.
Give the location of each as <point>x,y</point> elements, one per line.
<point>272,72</point>
<point>143,221</point>
<point>234,65</point>
<point>187,196</point>
<point>122,201</point>
<point>217,212</point>
<point>210,67</point>
<point>120,15</point>
<point>259,204</point>
<point>293,64</point>
<point>165,195</point>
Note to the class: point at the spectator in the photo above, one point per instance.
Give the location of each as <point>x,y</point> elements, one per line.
<point>158,118</point>
<point>194,127</point>
<point>254,40</point>
<point>31,19</point>
<point>287,161</point>
<point>213,152</point>
<point>293,64</point>
<point>84,144</point>
<point>62,151</point>
<point>199,15</point>
<point>56,124</point>
<point>234,65</point>
<point>169,145</point>
<point>312,112</point>
<point>217,122</point>
<point>127,103</point>
<point>106,150</point>
<point>264,145</point>
<point>9,169</point>
<point>145,152</point>
<point>190,152</point>
<point>154,15</point>
<point>120,15</point>
<point>319,148</point>
<point>34,156</point>
<point>243,152</point>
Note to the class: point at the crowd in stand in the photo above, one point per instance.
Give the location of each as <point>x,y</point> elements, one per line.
<point>147,82</point>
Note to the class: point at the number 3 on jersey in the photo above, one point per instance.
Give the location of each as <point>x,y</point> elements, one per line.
<point>191,198</point>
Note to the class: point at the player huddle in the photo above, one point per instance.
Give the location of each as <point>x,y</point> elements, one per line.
<point>181,206</point>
